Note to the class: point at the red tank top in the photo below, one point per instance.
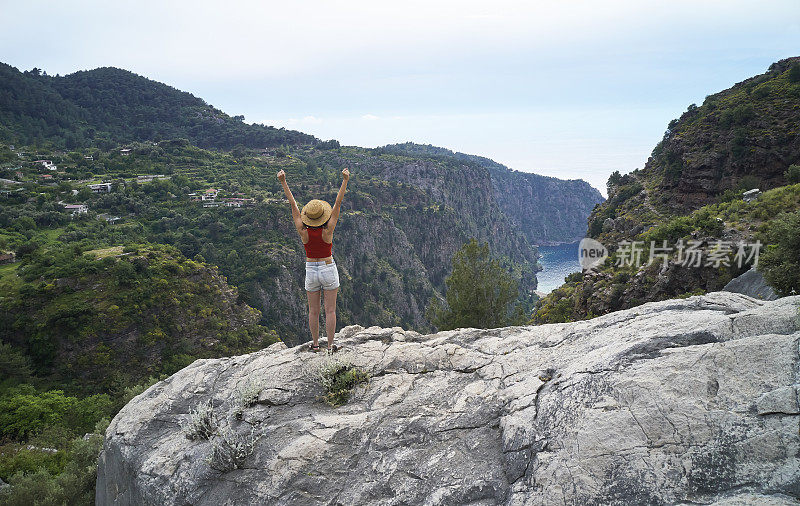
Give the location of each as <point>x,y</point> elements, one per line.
<point>316,247</point>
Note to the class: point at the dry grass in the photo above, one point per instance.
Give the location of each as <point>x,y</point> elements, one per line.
<point>106,252</point>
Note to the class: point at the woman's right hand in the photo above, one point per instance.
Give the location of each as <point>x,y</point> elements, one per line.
<point>281,176</point>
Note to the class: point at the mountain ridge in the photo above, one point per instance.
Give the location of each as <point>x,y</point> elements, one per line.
<point>113,104</point>
<point>431,203</point>
<point>739,138</point>
<point>691,191</point>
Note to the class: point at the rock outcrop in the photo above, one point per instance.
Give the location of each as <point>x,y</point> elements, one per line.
<point>681,401</point>
<point>752,283</point>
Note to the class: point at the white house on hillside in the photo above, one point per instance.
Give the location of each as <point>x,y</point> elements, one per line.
<point>100,187</point>
<point>47,164</point>
<point>77,208</point>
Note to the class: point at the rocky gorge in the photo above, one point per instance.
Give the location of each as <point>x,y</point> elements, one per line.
<point>683,401</point>
<point>414,207</point>
<point>394,244</point>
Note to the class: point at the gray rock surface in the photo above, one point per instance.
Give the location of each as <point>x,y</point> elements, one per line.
<point>687,401</point>
<point>751,283</point>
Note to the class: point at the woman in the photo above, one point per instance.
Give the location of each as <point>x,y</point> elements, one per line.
<point>315,224</point>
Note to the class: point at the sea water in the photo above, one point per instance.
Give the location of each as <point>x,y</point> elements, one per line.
<point>558,262</point>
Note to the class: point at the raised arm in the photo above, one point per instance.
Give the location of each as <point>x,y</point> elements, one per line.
<point>338,204</point>
<point>298,223</point>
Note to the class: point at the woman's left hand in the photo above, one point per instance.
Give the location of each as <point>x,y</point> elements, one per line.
<point>346,174</point>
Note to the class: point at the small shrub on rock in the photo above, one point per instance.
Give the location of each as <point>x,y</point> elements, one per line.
<point>201,424</point>
<point>230,450</point>
<point>338,376</point>
<point>341,384</point>
<point>246,395</point>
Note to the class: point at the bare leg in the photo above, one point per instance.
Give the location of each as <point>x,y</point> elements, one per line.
<point>313,314</point>
<point>330,314</point>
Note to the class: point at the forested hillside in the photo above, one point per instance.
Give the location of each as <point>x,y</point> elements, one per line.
<point>103,319</point>
<point>109,106</point>
<point>740,138</point>
<point>690,191</point>
<point>403,218</point>
<point>408,210</point>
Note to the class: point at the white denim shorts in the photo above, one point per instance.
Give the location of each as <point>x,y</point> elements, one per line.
<point>320,275</point>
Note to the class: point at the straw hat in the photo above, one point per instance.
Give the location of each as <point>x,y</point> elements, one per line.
<point>315,213</point>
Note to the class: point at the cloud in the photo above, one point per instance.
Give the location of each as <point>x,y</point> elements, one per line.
<point>206,39</point>
<point>519,81</point>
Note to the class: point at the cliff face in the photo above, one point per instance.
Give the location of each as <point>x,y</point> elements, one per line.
<point>690,400</point>
<point>691,189</point>
<point>401,224</point>
<point>546,210</point>
<point>746,130</point>
<point>740,138</point>
<point>469,209</point>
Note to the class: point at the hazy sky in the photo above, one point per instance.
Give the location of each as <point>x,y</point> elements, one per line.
<point>573,89</point>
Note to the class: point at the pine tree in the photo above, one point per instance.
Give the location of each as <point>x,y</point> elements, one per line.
<point>479,294</point>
